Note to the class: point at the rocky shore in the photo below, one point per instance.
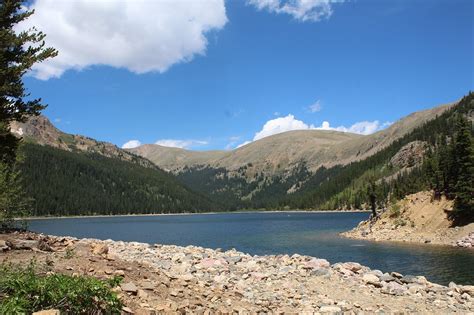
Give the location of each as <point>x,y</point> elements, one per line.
<point>416,219</point>
<point>161,278</point>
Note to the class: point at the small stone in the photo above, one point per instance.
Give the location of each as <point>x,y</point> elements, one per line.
<point>127,310</point>
<point>142,294</point>
<point>120,273</point>
<point>4,246</point>
<point>387,278</point>
<point>48,312</point>
<point>408,279</point>
<point>100,249</point>
<point>371,279</point>
<point>317,263</point>
<point>330,309</point>
<point>129,287</point>
<point>148,285</point>
<point>42,245</point>
<point>320,272</point>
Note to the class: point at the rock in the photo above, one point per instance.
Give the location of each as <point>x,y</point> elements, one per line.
<point>393,288</point>
<point>3,246</point>
<point>42,245</point>
<point>48,312</point>
<point>370,278</point>
<point>22,244</point>
<point>320,272</point>
<point>387,278</point>
<point>233,259</point>
<point>352,266</point>
<point>120,273</point>
<point>127,310</point>
<point>100,249</point>
<point>129,287</point>
<point>330,309</point>
<point>141,294</point>
<point>469,289</point>
<point>396,275</point>
<point>408,279</point>
<point>147,285</point>
<point>317,263</point>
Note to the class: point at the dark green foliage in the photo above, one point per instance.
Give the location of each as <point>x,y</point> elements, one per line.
<point>23,291</point>
<point>77,183</point>
<point>447,169</point>
<point>18,53</point>
<point>464,161</point>
<point>14,203</point>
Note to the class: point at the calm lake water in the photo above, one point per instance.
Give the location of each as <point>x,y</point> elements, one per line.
<point>314,234</point>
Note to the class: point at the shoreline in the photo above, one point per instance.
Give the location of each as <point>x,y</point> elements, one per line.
<point>169,278</point>
<point>189,213</point>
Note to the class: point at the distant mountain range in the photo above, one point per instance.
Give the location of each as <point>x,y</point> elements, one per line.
<point>296,169</point>
<point>281,153</point>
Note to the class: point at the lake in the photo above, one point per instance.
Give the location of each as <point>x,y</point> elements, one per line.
<point>314,234</point>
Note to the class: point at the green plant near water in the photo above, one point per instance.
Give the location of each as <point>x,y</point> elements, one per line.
<point>24,290</point>
<point>69,253</point>
<point>400,222</point>
<point>395,210</point>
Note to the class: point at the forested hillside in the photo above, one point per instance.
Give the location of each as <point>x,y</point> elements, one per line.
<point>447,165</point>
<point>414,162</point>
<point>78,183</point>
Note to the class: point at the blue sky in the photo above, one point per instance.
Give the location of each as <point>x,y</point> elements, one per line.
<point>215,74</point>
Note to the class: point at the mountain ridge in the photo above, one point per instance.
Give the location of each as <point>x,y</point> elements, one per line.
<point>301,146</point>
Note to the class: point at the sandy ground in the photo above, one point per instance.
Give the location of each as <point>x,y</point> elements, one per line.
<point>420,219</point>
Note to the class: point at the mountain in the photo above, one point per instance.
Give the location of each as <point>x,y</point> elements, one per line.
<point>305,169</point>
<point>281,153</point>
<point>40,130</point>
<point>76,175</point>
<point>277,170</point>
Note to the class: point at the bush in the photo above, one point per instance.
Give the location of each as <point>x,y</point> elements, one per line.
<point>23,291</point>
<point>395,210</point>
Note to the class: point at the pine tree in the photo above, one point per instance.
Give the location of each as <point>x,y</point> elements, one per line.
<point>464,162</point>
<point>18,53</point>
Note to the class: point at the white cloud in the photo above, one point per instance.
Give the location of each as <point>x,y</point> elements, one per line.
<point>289,123</point>
<point>302,10</point>
<point>316,107</point>
<point>362,127</point>
<point>131,144</point>
<point>138,35</point>
<point>279,125</point>
<point>182,144</point>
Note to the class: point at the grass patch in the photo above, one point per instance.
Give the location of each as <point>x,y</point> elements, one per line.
<point>23,290</point>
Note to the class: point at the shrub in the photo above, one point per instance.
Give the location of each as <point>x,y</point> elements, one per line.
<point>23,291</point>
<point>395,210</point>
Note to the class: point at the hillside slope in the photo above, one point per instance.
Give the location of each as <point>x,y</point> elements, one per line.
<point>40,130</point>
<point>81,183</point>
<point>417,218</point>
<point>281,153</point>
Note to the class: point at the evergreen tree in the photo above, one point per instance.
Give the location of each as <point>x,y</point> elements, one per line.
<point>464,161</point>
<point>18,53</point>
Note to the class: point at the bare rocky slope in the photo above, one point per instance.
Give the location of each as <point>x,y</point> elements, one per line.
<point>417,218</point>
<point>282,152</point>
<point>41,131</point>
